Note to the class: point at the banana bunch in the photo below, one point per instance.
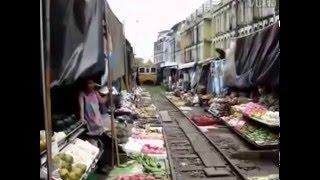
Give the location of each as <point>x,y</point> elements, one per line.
<point>151,165</point>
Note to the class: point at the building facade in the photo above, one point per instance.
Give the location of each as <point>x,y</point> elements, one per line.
<point>212,26</point>
<point>159,47</point>
<point>234,18</point>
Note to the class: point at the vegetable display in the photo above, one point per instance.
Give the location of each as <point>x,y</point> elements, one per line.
<point>151,166</point>
<point>259,113</point>
<point>259,135</point>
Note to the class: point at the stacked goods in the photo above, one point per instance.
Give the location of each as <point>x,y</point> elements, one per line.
<point>68,170</point>
<point>219,107</point>
<point>204,120</point>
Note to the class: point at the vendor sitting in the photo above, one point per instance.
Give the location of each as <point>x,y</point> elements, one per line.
<point>268,99</point>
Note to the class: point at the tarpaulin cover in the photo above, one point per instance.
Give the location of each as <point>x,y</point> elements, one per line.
<point>197,76</point>
<point>217,75</point>
<point>76,39</point>
<point>117,51</point>
<point>256,60</point>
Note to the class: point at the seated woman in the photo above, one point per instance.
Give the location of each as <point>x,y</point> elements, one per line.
<point>267,98</point>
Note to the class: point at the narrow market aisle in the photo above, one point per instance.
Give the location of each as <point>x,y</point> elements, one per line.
<point>191,155</point>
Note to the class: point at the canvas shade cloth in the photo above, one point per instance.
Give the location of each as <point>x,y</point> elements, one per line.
<point>76,40</point>
<point>254,60</point>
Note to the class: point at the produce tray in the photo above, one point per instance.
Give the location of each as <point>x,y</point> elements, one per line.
<point>90,169</point>
<point>260,121</point>
<point>70,134</point>
<point>266,146</point>
<point>255,119</point>
<point>63,143</point>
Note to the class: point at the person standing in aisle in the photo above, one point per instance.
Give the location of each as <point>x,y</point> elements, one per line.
<point>89,101</point>
<point>90,112</point>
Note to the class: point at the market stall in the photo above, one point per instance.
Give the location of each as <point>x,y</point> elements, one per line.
<point>187,72</point>
<point>252,121</point>
<point>80,47</point>
<point>144,145</point>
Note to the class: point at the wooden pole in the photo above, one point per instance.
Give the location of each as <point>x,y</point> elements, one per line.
<point>45,72</point>
<point>110,78</point>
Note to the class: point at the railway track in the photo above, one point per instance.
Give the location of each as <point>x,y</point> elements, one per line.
<point>191,154</point>
<point>245,158</point>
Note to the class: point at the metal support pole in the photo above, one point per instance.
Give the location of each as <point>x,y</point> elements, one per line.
<point>45,72</point>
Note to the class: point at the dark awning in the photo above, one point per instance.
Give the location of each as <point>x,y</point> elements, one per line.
<point>257,59</point>
<point>76,39</point>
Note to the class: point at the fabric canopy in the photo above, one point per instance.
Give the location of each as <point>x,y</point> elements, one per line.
<point>186,65</point>
<point>256,60</point>
<point>117,49</point>
<point>168,64</point>
<point>76,40</point>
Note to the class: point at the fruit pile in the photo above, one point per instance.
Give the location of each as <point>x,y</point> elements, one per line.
<point>68,170</point>
<point>43,143</point>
